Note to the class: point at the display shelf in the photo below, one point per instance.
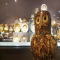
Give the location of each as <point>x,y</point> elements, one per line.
<point>58,43</point>
<point>19,43</point>
<point>14,43</point>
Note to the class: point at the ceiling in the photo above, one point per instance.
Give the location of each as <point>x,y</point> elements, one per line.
<point>24,8</point>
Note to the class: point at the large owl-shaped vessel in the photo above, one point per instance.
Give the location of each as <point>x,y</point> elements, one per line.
<point>43,44</point>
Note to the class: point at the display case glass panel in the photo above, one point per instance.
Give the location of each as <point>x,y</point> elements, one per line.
<point>17,19</point>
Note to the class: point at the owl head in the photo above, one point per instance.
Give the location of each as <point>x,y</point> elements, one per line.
<point>42,22</point>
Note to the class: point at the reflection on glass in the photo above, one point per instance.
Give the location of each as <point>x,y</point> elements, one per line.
<point>59,11</point>
<point>57,17</point>
<point>6,3</point>
<point>15,0</point>
<point>54,15</point>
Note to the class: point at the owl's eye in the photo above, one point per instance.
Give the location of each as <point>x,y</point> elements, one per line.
<point>37,20</point>
<point>45,18</point>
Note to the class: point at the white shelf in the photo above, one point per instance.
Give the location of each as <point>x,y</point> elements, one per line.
<point>19,43</point>
<point>14,44</point>
<point>58,43</point>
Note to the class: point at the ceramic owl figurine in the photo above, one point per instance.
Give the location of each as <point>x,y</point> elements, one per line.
<point>43,44</point>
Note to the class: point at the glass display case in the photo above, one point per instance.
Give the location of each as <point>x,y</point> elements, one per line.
<point>17,34</point>
<point>17,27</point>
<point>18,31</point>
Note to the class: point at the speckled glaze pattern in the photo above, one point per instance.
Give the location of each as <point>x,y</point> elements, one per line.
<point>43,44</point>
